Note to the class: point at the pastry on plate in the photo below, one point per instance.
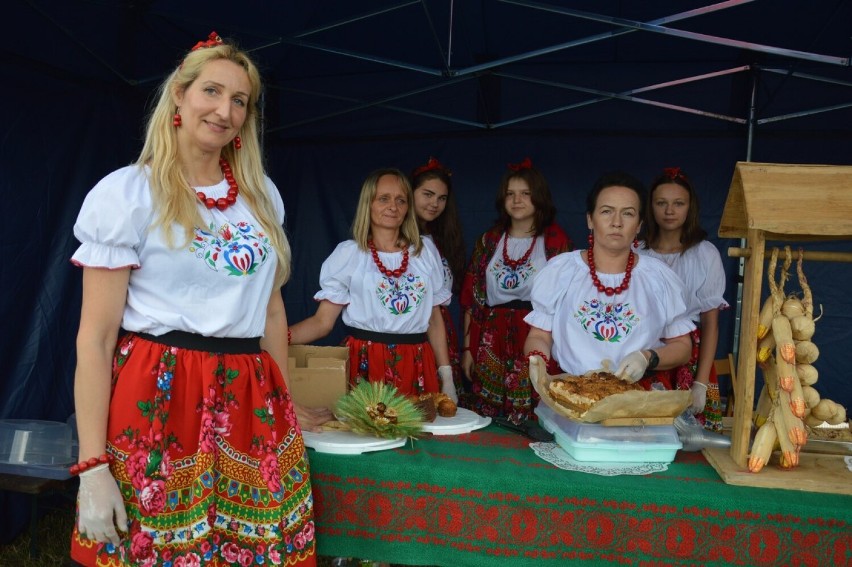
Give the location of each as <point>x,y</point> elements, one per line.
<point>579,393</point>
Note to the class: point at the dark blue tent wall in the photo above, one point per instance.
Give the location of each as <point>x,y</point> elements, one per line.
<point>314,178</point>
<point>69,118</point>
<point>320,184</point>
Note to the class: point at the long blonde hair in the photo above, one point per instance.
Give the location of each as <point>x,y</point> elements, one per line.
<point>174,200</point>
<point>409,232</point>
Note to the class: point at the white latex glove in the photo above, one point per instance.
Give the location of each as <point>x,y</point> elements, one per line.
<point>699,397</point>
<point>101,507</point>
<point>632,367</point>
<point>538,372</point>
<point>448,387</point>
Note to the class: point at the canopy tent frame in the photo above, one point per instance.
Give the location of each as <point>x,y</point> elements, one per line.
<point>627,26</point>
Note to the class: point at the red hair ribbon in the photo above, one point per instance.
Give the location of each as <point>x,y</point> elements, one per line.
<point>212,41</point>
<point>526,164</point>
<point>432,164</point>
<point>673,172</point>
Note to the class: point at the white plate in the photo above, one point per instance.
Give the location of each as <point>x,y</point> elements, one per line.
<point>464,421</point>
<point>348,442</point>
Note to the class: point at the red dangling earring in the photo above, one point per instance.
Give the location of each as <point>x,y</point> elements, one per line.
<point>237,142</point>
<point>176,121</point>
<point>636,243</point>
<point>591,239</point>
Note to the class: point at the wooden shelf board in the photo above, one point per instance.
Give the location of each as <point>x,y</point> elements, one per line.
<point>815,473</point>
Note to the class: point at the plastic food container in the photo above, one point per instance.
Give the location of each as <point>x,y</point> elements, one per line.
<point>33,442</point>
<point>600,443</point>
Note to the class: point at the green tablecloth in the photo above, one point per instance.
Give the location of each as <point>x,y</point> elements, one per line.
<point>485,498</point>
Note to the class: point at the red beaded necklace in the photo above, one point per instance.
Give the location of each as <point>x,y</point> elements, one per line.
<point>625,283</point>
<point>222,203</point>
<point>520,261</point>
<point>389,273</point>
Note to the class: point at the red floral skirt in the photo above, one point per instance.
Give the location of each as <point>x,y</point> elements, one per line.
<point>501,374</point>
<point>209,458</point>
<point>409,367</point>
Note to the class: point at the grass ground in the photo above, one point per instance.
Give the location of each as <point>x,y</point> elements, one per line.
<point>54,531</point>
<point>52,537</point>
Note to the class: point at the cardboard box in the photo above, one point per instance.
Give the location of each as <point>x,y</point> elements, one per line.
<point>319,375</point>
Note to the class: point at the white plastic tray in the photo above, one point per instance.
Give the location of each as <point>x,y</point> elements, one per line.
<point>464,421</point>
<point>348,442</point>
<point>625,444</point>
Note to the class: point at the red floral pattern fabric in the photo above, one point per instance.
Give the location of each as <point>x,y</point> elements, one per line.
<point>210,460</point>
<point>409,367</point>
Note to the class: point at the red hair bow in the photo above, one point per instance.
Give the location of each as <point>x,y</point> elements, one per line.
<point>672,172</point>
<point>526,164</point>
<point>431,165</point>
<point>212,41</point>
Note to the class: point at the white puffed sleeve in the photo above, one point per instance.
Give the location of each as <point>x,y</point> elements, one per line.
<point>443,294</point>
<point>548,287</point>
<point>114,220</point>
<point>663,297</point>
<point>669,293</point>
<point>710,293</point>
<point>336,273</point>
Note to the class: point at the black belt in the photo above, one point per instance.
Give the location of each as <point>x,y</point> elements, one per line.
<point>191,341</point>
<point>516,304</point>
<point>387,338</point>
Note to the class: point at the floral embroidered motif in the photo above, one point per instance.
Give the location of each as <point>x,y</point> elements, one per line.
<point>607,322</point>
<point>237,250</point>
<point>511,278</point>
<point>400,295</point>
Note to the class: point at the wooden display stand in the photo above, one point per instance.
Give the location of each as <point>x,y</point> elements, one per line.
<point>779,202</point>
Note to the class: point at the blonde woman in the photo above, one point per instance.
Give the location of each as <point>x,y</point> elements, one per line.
<point>388,285</point>
<point>190,451</point>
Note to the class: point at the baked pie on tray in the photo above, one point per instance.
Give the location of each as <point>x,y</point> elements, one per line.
<point>599,395</point>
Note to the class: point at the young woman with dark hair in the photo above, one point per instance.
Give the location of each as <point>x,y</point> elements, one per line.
<point>438,220</point>
<point>496,293</point>
<point>673,234</point>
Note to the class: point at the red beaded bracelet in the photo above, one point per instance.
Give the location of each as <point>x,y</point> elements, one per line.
<point>541,354</point>
<point>83,466</point>
<point>289,335</point>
